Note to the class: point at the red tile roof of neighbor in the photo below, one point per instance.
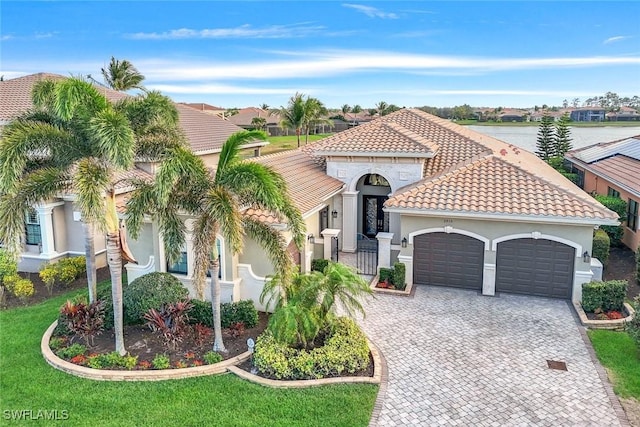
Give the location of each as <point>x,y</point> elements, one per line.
<point>470,172</point>
<point>204,132</point>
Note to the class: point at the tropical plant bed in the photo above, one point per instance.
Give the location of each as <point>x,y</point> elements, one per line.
<point>145,345</point>
<point>385,287</point>
<point>614,320</point>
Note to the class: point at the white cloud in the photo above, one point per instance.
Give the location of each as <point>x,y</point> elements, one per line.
<point>224,89</point>
<point>615,39</point>
<point>6,37</point>
<point>331,63</point>
<point>243,31</point>
<point>371,12</point>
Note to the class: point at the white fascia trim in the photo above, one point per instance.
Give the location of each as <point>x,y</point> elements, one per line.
<point>449,229</point>
<point>586,166</point>
<point>219,150</point>
<point>503,217</point>
<point>537,235</point>
<point>387,154</point>
<point>27,255</point>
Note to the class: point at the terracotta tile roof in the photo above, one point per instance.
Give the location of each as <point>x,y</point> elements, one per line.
<point>203,107</point>
<point>123,179</point>
<point>492,185</point>
<point>204,132</point>
<point>308,185</point>
<point>394,134</point>
<point>621,170</point>
<point>504,179</point>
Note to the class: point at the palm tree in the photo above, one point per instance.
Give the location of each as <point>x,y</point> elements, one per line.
<point>215,202</point>
<point>258,123</point>
<point>122,75</point>
<point>381,108</point>
<point>77,142</point>
<point>345,110</point>
<point>264,107</point>
<point>314,114</point>
<point>355,110</point>
<point>293,115</point>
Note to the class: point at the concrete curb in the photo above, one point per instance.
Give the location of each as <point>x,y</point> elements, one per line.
<point>379,372</point>
<point>150,375</point>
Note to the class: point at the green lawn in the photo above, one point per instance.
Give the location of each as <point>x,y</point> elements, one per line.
<point>619,354</point>
<point>28,383</point>
<point>282,143</point>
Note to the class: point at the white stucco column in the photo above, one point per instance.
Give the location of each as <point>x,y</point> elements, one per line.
<point>45,218</point>
<point>328,235</point>
<point>407,260</point>
<point>307,256</point>
<point>489,280</point>
<point>158,242</point>
<point>579,278</point>
<point>188,237</point>
<point>349,221</point>
<point>384,249</point>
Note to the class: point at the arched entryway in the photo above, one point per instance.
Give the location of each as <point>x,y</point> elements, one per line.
<point>373,190</point>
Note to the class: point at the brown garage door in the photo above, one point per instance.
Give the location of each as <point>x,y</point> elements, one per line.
<point>448,260</point>
<point>535,267</point>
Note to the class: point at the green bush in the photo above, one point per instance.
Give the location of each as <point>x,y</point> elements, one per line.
<point>160,361</point>
<point>71,351</point>
<point>104,295</point>
<point>212,358</point>
<point>319,265</point>
<point>112,360</point>
<point>345,350</point>
<point>633,327</point>
<point>399,275</point>
<point>619,206</point>
<point>152,290</point>
<point>64,271</point>
<point>230,313</point>
<point>601,245</point>
<point>385,274</point>
<point>605,296</point>
<point>8,265</point>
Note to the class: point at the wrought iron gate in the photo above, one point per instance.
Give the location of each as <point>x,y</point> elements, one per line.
<point>367,255</point>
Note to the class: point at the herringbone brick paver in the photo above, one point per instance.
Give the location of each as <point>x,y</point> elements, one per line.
<point>458,358</point>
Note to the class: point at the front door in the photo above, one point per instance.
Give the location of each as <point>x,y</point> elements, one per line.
<point>374,219</point>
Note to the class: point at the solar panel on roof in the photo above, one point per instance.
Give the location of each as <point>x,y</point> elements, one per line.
<point>629,147</point>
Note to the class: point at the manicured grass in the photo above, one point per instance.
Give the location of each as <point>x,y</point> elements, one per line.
<point>27,382</point>
<point>282,143</point>
<point>619,354</point>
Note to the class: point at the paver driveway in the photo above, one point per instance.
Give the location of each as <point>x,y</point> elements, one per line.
<point>459,358</point>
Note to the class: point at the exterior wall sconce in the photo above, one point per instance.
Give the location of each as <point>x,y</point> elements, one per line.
<point>404,242</point>
<point>311,239</point>
<point>586,257</point>
<point>334,214</point>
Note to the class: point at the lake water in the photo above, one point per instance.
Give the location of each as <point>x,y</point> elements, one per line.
<point>525,136</point>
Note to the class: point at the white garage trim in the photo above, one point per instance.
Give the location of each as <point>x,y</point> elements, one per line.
<point>537,235</point>
<point>448,229</point>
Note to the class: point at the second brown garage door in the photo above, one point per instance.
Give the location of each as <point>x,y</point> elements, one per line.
<point>443,259</point>
<point>535,267</point>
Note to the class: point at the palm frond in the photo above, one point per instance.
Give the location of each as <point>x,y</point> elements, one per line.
<point>173,231</point>
<point>91,181</point>
<point>12,212</point>
<point>72,93</point>
<point>179,162</point>
<point>205,229</point>
<point>43,94</point>
<point>122,75</point>
<point>231,148</point>
<point>220,204</point>
<point>141,202</point>
<point>114,137</point>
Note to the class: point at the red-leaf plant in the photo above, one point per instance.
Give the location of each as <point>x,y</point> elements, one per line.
<point>170,321</point>
<point>86,320</point>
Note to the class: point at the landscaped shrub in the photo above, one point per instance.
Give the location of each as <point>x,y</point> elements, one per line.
<point>64,271</point>
<point>345,350</point>
<point>633,327</point>
<point>71,351</point>
<point>212,357</point>
<point>160,361</point>
<point>230,313</point>
<point>385,274</point>
<point>20,287</point>
<point>601,245</point>
<point>112,360</point>
<point>319,264</point>
<point>170,321</point>
<point>152,290</point>
<point>619,206</point>
<point>8,265</point>
<point>104,295</point>
<point>399,275</point>
<point>605,296</point>
<point>86,320</point>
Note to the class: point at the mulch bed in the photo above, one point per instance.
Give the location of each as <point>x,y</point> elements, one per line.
<point>622,266</point>
<point>142,342</point>
<point>42,293</point>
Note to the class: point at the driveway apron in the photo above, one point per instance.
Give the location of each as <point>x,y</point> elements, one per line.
<point>457,358</point>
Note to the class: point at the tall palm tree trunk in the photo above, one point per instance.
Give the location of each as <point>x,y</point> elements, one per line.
<point>298,135</point>
<point>90,256</point>
<point>218,345</point>
<point>114,259</point>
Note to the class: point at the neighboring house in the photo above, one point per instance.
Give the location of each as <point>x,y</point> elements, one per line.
<point>536,116</point>
<point>624,114</point>
<point>613,168</point>
<point>588,114</point>
<point>244,119</point>
<point>54,230</point>
<point>206,108</point>
<point>513,115</point>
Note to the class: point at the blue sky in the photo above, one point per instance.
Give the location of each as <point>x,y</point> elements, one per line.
<point>247,53</point>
